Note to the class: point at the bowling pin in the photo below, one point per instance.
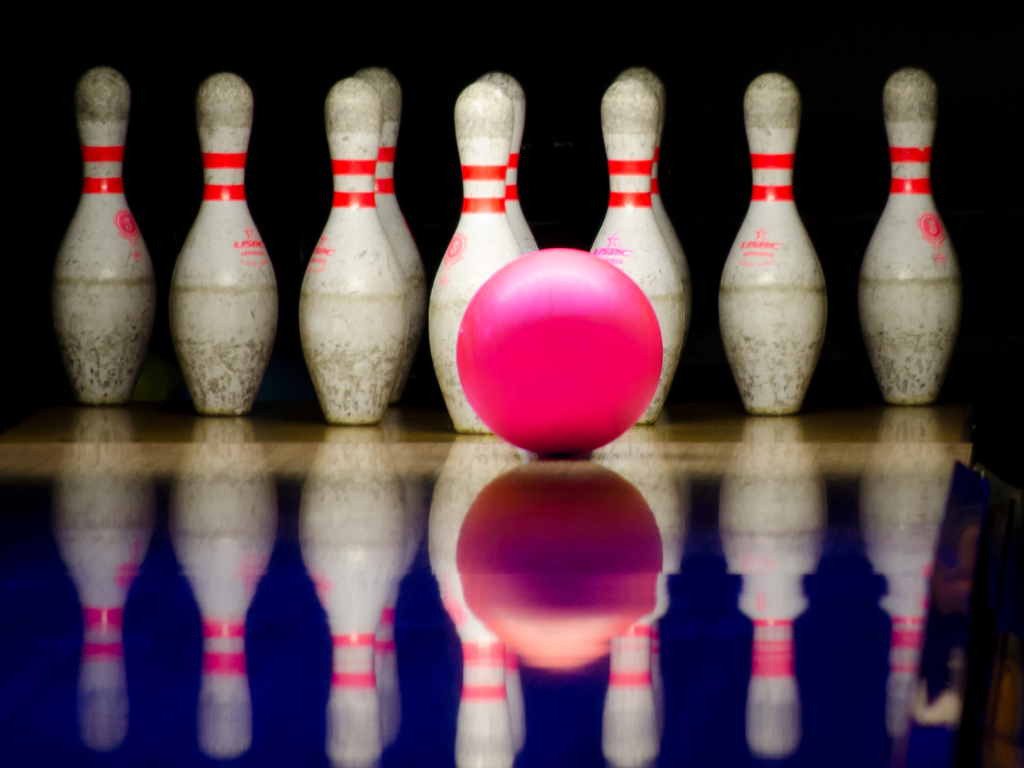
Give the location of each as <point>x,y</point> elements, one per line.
<point>630,237</point>
<point>772,516</point>
<point>909,293</point>
<point>352,535</point>
<point>675,248</point>
<point>394,223</point>
<point>352,310</point>
<point>483,241</point>
<point>103,294</point>
<point>514,91</point>
<point>223,299</point>
<point>771,302</point>
<point>103,514</point>
<point>902,498</point>
<point>223,522</point>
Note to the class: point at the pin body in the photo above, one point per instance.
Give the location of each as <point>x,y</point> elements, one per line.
<point>771,301</point>
<point>910,290</point>
<point>223,298</point>
<point>483,240</point>
<point>352,311</point>
<point>630,237</point>
<point>394,222</point>
<point>103,291</point>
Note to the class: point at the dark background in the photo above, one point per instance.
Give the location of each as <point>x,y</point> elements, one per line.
<point>841,181</point>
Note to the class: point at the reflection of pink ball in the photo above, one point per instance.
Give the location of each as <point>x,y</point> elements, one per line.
<point>559,352</point>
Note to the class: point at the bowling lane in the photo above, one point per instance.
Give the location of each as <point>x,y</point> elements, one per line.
<point>714,590</point>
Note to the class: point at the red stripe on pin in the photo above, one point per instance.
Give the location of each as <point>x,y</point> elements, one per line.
<point>780,623</point>
<point>511,661</point>
<point>223,663</point>
<point>629,200</point>
<point>638,630</point>
<point>483,692</point>
<point>910,154</point>
<point>657,153</point>
<point>384,186</point>
<point>224,192</point>
<point>101,651</point>
<point>781,162</point>
<point>354,200</point>
<point>353,640</point>
<point>630,679</point>
<point>103,154</point>
<point>385,646</point>
<point>353,167</point>
<point>483,205</point>
<point>911,187</point>
<point>907,638</point>
<point>511,192</point>
<point>224,159</point>
<point>489,655</point>
<point>94,186</point>
<point>223,628</point>
<point>769,193</point>
<point>387,616</point>
<point>655,189</point>
<point>483,172</point>
<point>513,160</point>
<point>386,155</point>
<point>102,619</point>
<point>354,680</point>
<point>630,167</point>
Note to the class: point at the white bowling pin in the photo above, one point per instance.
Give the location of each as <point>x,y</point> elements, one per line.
<point>675,247</point>
<point>630,237</point>
<point>909,292</point>
<point>352,534</point>
<point>516,702</point>
<point>223,299</point>
<point>104,294</point>
<point>352,310</point>
<point>103,513</point>
<point>514,91</point>
<point>223,522</point>
<point>902,498</point>
<point>771,302</point>
<point>772,516</point>
<point>483,241</point>
<point>394,222</point>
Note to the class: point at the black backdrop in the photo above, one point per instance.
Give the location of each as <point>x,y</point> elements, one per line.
<point>841,180</point>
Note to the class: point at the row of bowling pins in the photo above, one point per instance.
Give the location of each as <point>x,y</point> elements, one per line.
<point>360,525</point>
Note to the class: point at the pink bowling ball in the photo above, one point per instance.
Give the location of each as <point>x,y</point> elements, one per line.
<point>559,352</point>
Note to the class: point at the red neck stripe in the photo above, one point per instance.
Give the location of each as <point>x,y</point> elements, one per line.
<point>224,159</point>
<point>353,680</point>
<point>101,619</point>
<point>907,638</point>
<point>630,679</point>
<point>385,646</point>
<point>638,630</point>
<point>655,188</point>
<point>353,167</point>
<point>911,186</point>
<point>483,172</point>
<point>384,186</point>
<point>762,623</point>
<point>103,154</point>
<point>511,662</point>
<point>483,205</point>
<point>94,186</point>
<point>511,192</point>
<point>630,167</point>
<point>354,200</point>
<point>386,155</point>
<point>772,658</point>
<point>477,654</point>
<point>223,663</point>
<point>657,153</point>
<point>483,692</point>
<point>387,616</point>
<point>769,193</point>
<point>224,192</point>
<point>629,200</point>
<point>353,641</point>
<point>910,154</point>
<point>782,162</point>
<point>513,160</point>
<point>102,651</point>
<point>223,628</point>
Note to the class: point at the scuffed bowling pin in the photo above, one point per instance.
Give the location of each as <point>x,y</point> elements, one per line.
<point>223,522</point>
<point>483,241</point>
<point>104,294</point>
<point>516,219</point>
<point>352,310</point>
<point>630,237</point>
<point>771,302</point>
<point>910,292</point>
<point>394,222</point>
<point>103,514</point>
<point>223,300</point>
<point>675,247</point>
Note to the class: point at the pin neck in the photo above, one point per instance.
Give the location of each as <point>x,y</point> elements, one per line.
<point>101,634</point>
<point>629,183</point>
<point>224,176</point>
<point>483,671</point>
<point>224,646</point>
<point>911,170</point>
<point>772,176</point>
<point>772,653</point>
<point>354,183</point>
<point>512,177</point>
<point>385,184</point>
<point>353,661</point>
<point>483,188</point>
<point>655,190</point>
<point>905,644</point>
<point>101,170</point>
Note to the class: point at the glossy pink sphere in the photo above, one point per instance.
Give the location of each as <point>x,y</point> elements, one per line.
<point>559,352</point>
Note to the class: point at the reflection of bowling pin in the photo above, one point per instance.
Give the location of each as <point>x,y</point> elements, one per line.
<point>910,279</point>
<point>394,222</point>
<point>634,706</point>
<point>771,302</point>
<point>103,510</point>
<point>483,241</point>
<point>771,514</point>
<point>484,727</point>
<point>104,295</point>
<point>675,248</point>
<point>223,523</point>
<point>902,496</point>
<point>223,300</point>
<point>630,237</point>
<point>352,310</point>
<point>352,532</point>
<point>516,220</point>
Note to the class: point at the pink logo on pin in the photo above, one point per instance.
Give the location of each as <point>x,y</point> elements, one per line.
<point>453,255</point>
<point>129,230</point>
<point>932,233</point>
